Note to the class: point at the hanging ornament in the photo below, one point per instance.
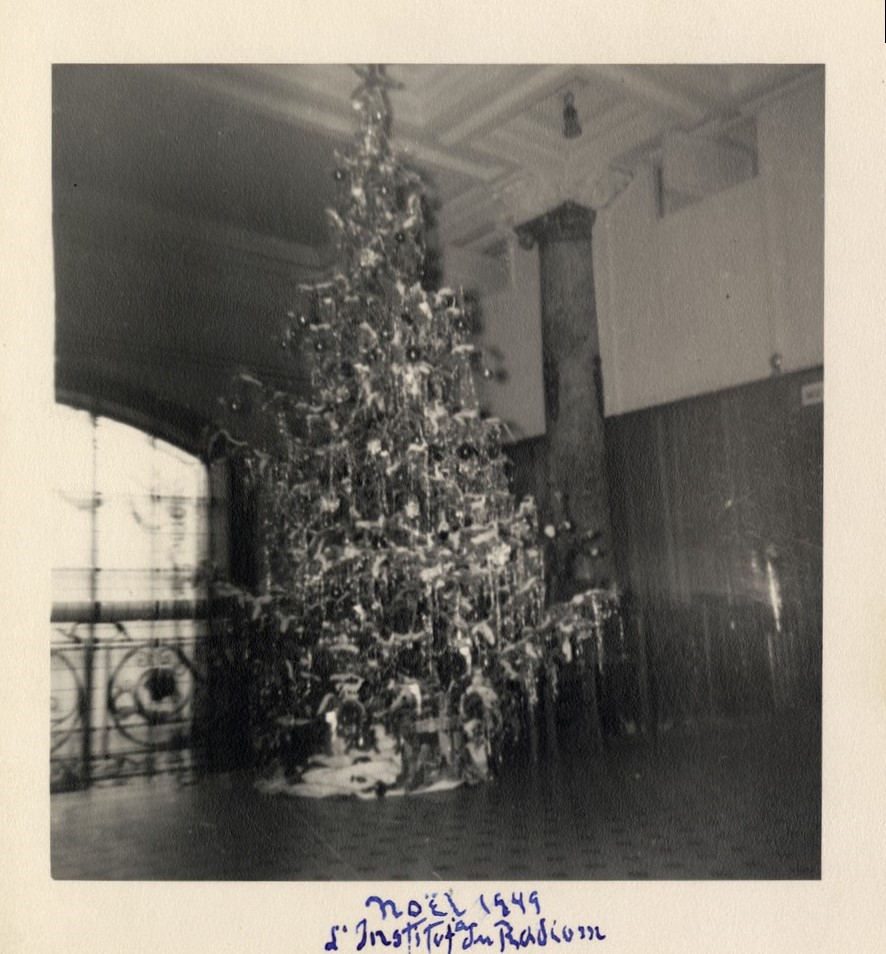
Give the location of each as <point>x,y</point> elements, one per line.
<point>487,372</point>
<point>339,175</point>
<point>413,353</point>
<point>466,450</point>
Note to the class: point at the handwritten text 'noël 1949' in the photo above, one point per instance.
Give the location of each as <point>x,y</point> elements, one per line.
<point>440,924</point>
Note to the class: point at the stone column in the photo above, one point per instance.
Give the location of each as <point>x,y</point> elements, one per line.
<point>577,488</point>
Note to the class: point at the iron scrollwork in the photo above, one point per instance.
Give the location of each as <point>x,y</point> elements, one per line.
<point>120,705</point>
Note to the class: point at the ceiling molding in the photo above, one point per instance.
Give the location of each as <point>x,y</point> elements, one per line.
<point>801,76</point>
<point>655,92</point>
<point>624,140</point>
<point>325,113</point>
<point>509,103</point>
<point>338,122</point>
<point>488,137</point>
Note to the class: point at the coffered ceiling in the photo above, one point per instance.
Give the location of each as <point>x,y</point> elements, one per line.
<point>251,146</point>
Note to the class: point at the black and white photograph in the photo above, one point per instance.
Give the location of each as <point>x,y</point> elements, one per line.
<point>442,453</point>
<point>438,448</point>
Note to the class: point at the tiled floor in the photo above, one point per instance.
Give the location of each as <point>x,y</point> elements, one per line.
<point>732,801</point>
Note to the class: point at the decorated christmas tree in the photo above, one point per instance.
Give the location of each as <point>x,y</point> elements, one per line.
<point>397,628</point>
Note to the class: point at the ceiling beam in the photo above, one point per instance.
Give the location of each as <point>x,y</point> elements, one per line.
<point>610,145</point>
<point>507,104</point>
<point>337,121</point>
<point>432,156</point>
<point>691,108</point>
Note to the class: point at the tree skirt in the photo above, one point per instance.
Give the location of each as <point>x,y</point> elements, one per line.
<point>390,768</point>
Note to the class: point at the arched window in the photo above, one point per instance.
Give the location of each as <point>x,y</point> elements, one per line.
<point>131,526</point>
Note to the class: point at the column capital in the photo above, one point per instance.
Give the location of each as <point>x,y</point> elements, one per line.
<point>569,222</point>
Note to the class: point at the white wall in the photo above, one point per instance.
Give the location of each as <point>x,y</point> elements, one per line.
<point>790,133</point>
<point>692,302</point>
<point>700,299</point>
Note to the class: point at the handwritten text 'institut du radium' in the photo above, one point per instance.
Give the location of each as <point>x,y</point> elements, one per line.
<point>439,923</point>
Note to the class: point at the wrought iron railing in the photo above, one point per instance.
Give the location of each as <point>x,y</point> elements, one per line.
<point>125,681</point>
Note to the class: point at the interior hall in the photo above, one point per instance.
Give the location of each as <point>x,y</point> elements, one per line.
<point>471,530</point>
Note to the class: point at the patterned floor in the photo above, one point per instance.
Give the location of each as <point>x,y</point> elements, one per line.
<point>732,801</point>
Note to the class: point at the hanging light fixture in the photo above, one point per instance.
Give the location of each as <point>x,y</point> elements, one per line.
<point>571,124</point>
